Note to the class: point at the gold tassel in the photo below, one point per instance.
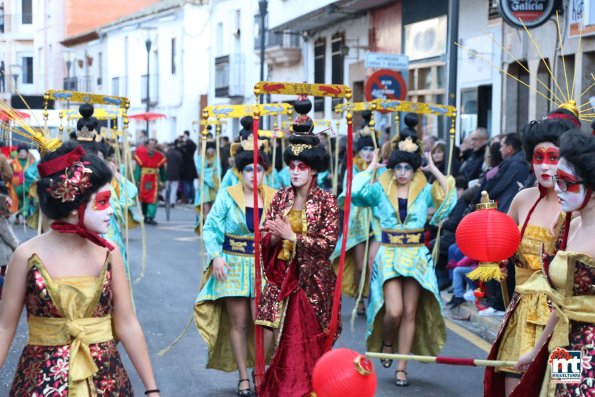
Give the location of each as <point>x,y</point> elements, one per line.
<point>486,271</point>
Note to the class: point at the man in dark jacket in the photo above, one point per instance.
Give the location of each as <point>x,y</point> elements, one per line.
<point>188,172</point>
<point>471,168</point>
<point>512,172</point>
<point>173,169</point>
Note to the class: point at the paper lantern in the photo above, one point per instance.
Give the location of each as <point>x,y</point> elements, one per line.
<point>488,236</point>
<point>343,372</point>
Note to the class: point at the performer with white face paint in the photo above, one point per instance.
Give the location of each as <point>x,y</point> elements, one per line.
<point>74,286</point>
<point>537,212</point>
<point>570,276</point>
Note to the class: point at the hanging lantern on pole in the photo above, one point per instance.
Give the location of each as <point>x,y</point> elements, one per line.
<point>343,372</point>
<point>487,236</point>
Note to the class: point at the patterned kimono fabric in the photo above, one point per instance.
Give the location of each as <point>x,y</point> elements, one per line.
<point>228,233</point>
<point>403,254</point>
<point>298,296</point>
<point>149,173</point>
<point>526,315</point>
<point>569,286</point>
<point>71,349</point>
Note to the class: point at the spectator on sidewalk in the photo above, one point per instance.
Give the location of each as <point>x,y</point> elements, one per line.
<point>471,168</point>
<point>8,241</point>
<point>460,282</point>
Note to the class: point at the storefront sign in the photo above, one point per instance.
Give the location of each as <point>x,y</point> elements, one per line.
<point>385,83</point>
<point>378,60</point>
<point>581,18</point>
<point>531,13</point>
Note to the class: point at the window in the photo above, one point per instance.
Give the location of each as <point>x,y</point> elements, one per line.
<point>27,12</point>
<point>115,86</point>
<point>173,55</point>
<point>337,62</point>
<point>426,84</point>
<point>493,11</point>
<point>100,69</point>
<point>319,70</point>
<point>27,70</point>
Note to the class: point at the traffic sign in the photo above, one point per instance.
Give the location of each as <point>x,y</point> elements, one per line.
<point>379,60</point>
<point>385,83</point>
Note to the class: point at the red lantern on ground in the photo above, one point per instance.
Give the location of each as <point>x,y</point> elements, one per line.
<point>343,372</point>
<point>488,236</point>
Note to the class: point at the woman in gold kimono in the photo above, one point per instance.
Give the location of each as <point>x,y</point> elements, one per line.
<point>74,287</point>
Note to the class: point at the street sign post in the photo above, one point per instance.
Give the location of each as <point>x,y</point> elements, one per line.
<point>387,84</point>
<point>379,60</point>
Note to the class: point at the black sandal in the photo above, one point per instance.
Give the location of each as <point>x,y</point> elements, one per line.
<point>386,362</point>
<point>244,392</point>
<point>361,308</point>
<point>400,382</point>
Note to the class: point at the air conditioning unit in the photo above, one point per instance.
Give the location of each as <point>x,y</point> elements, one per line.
<point>426,39</point>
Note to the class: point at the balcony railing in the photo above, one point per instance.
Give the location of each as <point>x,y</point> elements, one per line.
<point>153,88</point>
<point>278,39</point>
<point>229,76</point>
<point>78,84</point>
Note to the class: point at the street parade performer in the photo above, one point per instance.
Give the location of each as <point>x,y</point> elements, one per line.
<point>300,233</point>
<point>537,212</point>
<point>224,311</point>
<point>405,305</point>
<point>75,289</point>
<point>149,171</point>
<point>569,279</point>
<point>360,221</point>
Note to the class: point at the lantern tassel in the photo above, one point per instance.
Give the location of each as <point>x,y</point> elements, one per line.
<point>486,271</point>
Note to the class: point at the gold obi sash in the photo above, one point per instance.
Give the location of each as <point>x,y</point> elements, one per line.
<point>403,238</point>
<point>523,274</point>
<point>79,334</point>
<point>148,171</point>
<point>238,245</point>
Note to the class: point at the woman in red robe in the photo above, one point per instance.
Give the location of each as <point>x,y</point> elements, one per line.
<point>300,233</point>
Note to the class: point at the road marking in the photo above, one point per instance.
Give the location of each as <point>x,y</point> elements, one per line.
<point>193,238</point>
<point>468,335</point>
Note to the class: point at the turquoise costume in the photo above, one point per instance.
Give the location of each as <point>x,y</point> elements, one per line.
<point>211,181</point>
<point>226,234</point>
<point>403,254</point>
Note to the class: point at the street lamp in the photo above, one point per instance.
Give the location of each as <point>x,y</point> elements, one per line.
<point>148,43</point>
<point>262,6</point>
<point>15,71</point>
<point>68,60</point>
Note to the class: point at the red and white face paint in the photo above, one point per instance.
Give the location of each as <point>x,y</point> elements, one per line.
<point>545,163</point>
<point>99,211</point>
<point>569,188</point>
<point>301,174</point>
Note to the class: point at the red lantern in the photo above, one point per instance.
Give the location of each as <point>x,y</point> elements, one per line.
<point>343,372</point>
<point>488,236</point>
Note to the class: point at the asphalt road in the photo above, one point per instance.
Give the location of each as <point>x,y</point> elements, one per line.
<point>164,300</point>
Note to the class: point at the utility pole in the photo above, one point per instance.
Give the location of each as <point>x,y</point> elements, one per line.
<point>451,66</point>
<point>262,6</point>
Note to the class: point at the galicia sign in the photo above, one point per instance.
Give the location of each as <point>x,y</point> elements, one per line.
<point>531,13</point>
<point>385,83</point>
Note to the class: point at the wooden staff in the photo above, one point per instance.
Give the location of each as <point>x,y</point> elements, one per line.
<point>470,362</point>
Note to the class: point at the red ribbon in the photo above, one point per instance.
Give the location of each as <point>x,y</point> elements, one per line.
<point>258,331</point>
<point>564,116</point>
<point>81,230</point>
<point>58,164</point>
<point>455,361</point>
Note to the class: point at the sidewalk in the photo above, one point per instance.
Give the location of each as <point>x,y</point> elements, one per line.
<point>466,315</point>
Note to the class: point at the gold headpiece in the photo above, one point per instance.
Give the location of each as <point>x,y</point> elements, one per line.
<point>85,135</point>
<point>571,107</point>
<point>297,148</point>
<point>408,146</point>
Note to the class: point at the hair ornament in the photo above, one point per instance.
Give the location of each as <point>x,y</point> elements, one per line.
<point>75,180</point>
<point>297,148</point>
<point>407,145</point>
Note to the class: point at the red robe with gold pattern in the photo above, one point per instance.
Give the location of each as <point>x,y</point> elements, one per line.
<point>298,296</point>
<point>149,178</point>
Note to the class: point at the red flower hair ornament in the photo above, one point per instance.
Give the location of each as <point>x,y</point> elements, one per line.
<point>75,180</point>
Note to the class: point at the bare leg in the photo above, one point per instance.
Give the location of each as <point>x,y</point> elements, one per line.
<point>238,310</point>
<point>372,251</point>
<point>411,293</point>
<point>393,303</point>
<point>207,209</point>
<point>359,252</point>
<point>509,384</point>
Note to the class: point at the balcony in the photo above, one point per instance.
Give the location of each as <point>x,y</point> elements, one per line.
<point>229,76</point>
<point>154,89</point>
<point>280,48</point>
<point>78,84</point>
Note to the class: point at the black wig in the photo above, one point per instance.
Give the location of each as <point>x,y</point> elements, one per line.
<point>412,158</point>
<point>54,208</point>
<point>548,130</point>
<point>578,148</point>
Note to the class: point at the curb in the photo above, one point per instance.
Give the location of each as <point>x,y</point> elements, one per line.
<point>467,316</point>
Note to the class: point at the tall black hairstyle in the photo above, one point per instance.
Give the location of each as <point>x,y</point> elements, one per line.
<point>365,139</point>
<point>413,158</point>
<point>578,148</point>
<point>547,130</point>
<point>243,157</point>
<point>89,140</point>
<point>87,120</point>
<point>303,144</point>
<point>54,208</point>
